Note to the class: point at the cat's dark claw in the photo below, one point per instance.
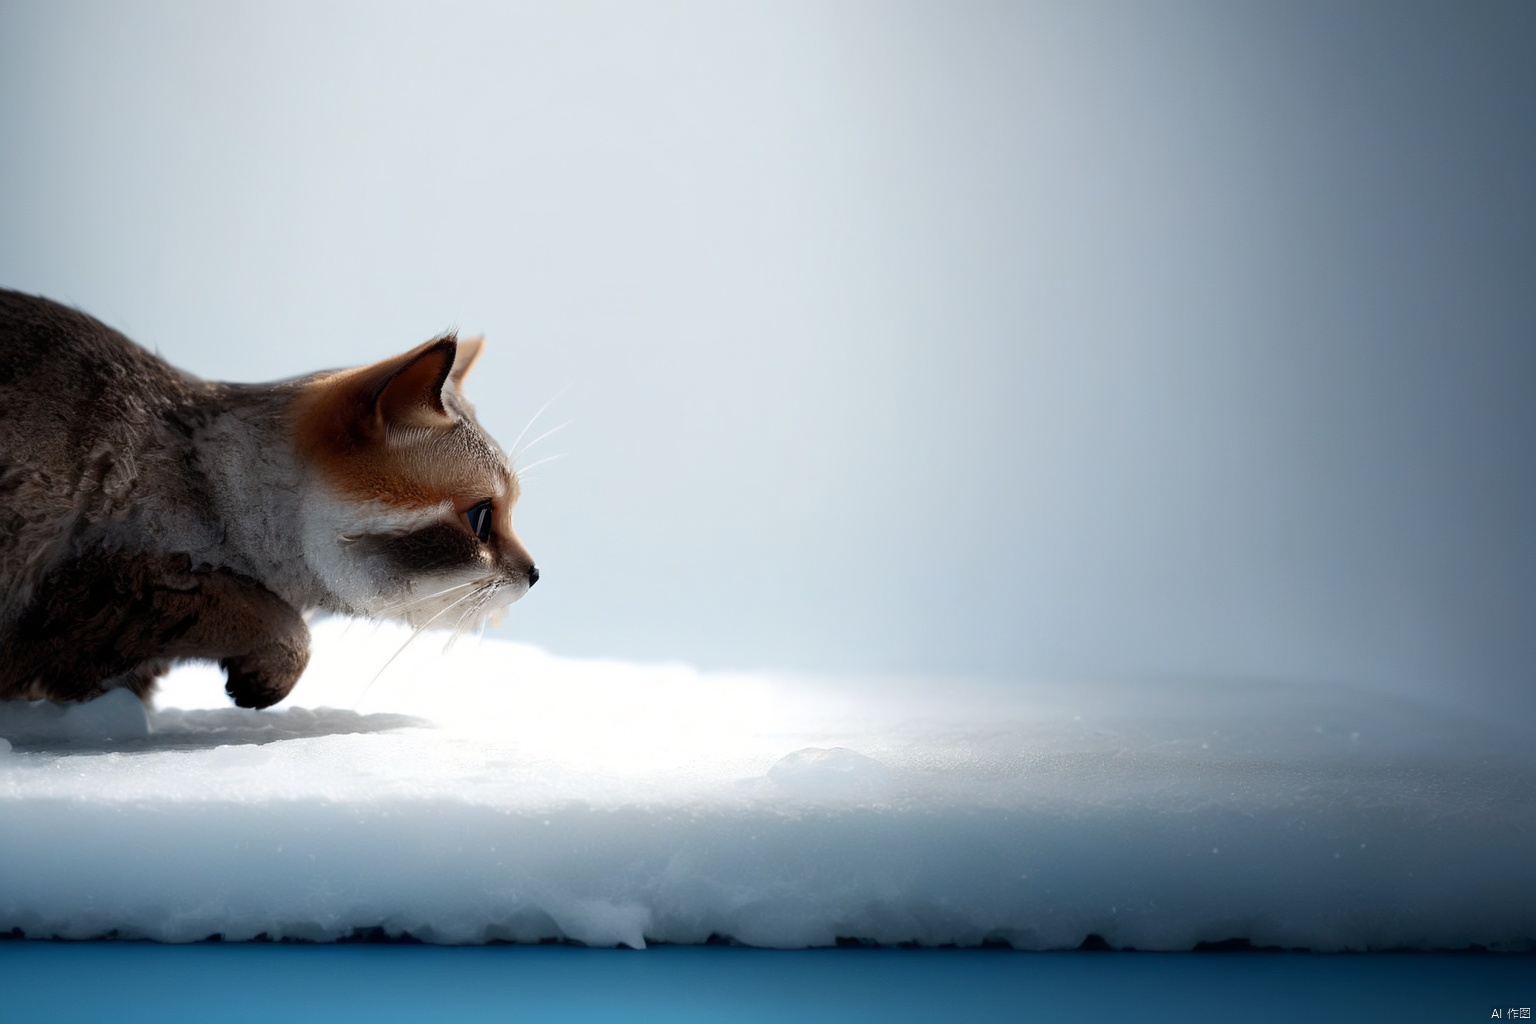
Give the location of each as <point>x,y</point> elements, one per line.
<point>251,684</point>
<point>242,614</point>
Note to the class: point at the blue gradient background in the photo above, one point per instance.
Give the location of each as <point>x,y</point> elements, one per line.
<point>1018,339</point>
<point>684,984</point>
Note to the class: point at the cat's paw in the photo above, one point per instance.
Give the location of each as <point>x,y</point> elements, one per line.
<point>262,678</point>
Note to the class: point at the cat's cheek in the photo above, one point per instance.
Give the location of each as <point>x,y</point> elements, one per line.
<point>351,547</point>
<point>439,548</point>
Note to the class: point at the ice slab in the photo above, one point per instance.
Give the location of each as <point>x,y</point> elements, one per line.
<point>499,792</point>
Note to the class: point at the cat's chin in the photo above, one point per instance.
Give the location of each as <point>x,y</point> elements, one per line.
<point>455,607</point>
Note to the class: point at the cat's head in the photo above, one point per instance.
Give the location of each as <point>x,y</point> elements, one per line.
<point>410,511</point>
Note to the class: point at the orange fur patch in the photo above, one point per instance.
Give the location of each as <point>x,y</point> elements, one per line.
<point>379,433</point>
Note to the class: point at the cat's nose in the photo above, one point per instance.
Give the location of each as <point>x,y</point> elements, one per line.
<point>533,575</point>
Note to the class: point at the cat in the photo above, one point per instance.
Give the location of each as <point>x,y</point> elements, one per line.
<point>149,517</point>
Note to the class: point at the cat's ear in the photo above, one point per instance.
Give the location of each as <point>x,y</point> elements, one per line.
<point>408,390</point>
<point>337,411</point>
<point>464,361</point>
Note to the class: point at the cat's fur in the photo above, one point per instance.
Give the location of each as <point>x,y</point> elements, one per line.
<point>147,516</point>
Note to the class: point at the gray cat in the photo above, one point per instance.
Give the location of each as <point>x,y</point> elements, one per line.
<point>147,516</point>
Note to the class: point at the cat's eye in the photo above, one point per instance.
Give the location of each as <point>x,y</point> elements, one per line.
<point>480,520</point>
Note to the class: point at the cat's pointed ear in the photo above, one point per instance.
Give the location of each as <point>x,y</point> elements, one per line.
<point>408,390</point>
<point>469,351</point>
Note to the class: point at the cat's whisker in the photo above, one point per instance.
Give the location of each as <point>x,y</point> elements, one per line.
<point>522,473</point>
<point>412,639</point>
<point>548,433</point>
<point>426,597</point>
<point>478,618</point>
<point>474,609</point>
<point>403,605</point>
<point>535,418</point>
<point>399,612</point>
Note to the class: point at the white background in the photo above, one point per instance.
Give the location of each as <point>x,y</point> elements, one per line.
<point>1173,339</point>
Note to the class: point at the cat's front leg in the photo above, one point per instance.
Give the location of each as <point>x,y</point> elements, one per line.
<point>109,619</point>
<point>259,639</point>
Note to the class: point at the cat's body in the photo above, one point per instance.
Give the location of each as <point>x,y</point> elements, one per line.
<point>148,516</point>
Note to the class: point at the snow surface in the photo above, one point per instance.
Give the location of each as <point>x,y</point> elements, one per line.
<point>499,792</point>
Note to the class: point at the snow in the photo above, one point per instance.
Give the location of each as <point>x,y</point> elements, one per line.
<point>498,792</point>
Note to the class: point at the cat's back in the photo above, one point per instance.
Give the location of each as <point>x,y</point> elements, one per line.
<point>79,404</point>
<point>68,379</point>
<point>59,358</point>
